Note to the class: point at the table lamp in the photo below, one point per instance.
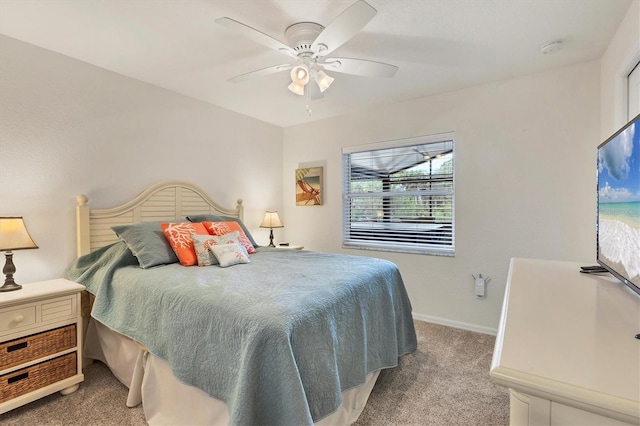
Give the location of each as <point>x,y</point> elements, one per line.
<point>13,236</point>
<point>271,220</point>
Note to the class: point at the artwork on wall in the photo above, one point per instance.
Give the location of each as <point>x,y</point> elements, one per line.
<point>309,186</point>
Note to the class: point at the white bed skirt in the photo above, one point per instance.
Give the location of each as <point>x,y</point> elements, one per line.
<point>167,401</point>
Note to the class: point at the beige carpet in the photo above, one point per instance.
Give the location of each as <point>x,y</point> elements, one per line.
<point>445,382</point>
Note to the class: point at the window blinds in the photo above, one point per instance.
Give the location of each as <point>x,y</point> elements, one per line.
<point>400,198</point>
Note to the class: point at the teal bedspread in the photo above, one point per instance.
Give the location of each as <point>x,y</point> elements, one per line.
<point>278,339</point>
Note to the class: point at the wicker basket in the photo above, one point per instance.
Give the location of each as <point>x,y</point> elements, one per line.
<point>37,376</point>
<point>26,349</point>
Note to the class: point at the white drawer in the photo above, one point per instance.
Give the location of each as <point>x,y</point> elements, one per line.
<point>58,309</point>
<point>17,317</point>
<point>37,315</point>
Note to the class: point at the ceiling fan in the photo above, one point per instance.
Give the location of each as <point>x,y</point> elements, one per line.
<point>309,44</point>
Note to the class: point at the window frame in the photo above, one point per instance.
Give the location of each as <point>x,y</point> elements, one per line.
<point>424,247</point>
<point>633,98</point>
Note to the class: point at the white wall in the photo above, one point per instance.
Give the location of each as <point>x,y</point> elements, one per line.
<point>69,128</point>
<point>525,183</point>
<point>621,55</point>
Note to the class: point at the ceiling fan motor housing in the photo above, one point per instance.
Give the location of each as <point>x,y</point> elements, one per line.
<point>300,36</point>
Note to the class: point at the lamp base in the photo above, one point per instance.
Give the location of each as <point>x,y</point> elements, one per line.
<point>271,238</point>
<point>8,270</point>
<point>10,287</point>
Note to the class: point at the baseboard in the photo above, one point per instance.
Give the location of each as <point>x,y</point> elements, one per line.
<point>456,324</point>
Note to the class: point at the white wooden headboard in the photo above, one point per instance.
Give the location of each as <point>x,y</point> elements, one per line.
<point>164,201</point>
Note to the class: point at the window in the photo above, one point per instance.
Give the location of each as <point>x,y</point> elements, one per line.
<point>399,196</point>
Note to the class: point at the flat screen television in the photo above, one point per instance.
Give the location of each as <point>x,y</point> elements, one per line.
<point>618,214</point>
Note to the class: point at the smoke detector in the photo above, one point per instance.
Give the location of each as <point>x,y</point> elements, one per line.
<point>551,47</point>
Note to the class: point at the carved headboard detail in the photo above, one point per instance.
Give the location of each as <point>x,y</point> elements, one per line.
<point>165,201</point>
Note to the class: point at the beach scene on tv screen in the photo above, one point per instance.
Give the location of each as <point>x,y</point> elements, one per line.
<point>619,203</point>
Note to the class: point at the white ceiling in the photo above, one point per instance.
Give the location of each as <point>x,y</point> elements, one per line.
<point>439,45</point>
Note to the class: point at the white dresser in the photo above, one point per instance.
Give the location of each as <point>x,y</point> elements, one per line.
<point>566,347</point>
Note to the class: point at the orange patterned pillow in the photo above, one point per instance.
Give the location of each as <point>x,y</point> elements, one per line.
<point>222,228</point>
<point>180,238</point>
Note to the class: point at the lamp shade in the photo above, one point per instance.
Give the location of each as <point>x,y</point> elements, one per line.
<point>300,75</point>
<point>323,80</point>
<point>14,235</point>
<point>296,88</point>
<point>271,220</point>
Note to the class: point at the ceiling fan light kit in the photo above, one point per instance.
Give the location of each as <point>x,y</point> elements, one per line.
<point>300,75</point>
<point>298,89</point>
<point>323,80</point>
<point>309,43</point>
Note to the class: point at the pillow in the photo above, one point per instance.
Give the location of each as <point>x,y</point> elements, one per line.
<point>221,228</point>
<point>230,254</point>
<point>203,243</point>
<point>147,243</point>
<point>214,218</point>
<point>179,235</point>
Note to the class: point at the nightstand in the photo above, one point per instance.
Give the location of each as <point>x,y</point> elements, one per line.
<point>291,247</point>
<point>40,342</point>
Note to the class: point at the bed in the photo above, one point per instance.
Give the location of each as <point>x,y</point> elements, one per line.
<point>291,337</point>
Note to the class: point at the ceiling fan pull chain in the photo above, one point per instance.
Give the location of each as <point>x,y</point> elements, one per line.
<point>309,99</point>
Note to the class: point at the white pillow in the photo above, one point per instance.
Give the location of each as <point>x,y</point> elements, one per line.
<point>230,254</point>
<point>203,243</point>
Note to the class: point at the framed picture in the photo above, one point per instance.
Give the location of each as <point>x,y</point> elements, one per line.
<point>309,186</point>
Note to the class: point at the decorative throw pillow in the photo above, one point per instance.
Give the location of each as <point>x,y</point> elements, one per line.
<point>180,238</point>
<point>203,243</point>
<point>147,243</point>
<point>221,228</point>
<point>230,254</point>
<point>216,218</point>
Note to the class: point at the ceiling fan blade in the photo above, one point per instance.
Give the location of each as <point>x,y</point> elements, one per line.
<point>261,72</point>
<point>345,26</point>
<point>314,90</point>
<point>360,67</point>
<point>257,36</point>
